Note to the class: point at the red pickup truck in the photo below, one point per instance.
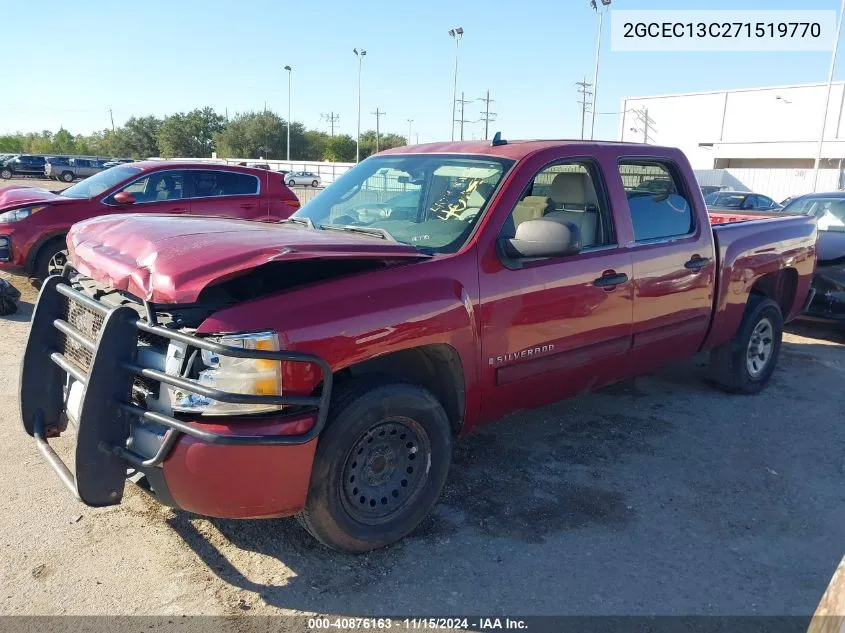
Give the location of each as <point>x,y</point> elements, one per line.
<point>34,222</point>
<point>322,367</point>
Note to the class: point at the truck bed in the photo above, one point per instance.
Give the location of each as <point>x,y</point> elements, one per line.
<point>749,246</point>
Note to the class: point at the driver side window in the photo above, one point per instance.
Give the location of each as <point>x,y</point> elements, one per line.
<point>568,193</point>
<point>156,187</point>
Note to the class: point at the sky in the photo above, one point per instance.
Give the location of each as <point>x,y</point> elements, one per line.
<point>158,57</point>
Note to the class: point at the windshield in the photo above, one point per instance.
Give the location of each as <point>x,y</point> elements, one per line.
<point>727,200</point>
<point>426,200</point>
<point>829,211</point>
<point>98,183</point>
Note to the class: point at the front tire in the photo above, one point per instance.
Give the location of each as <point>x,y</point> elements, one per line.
<point>314,183</point>
<point>291,183</point>
<point>51,260</point>
<point>380,464</point>
<point>745,364</point>
<point>6,174</point>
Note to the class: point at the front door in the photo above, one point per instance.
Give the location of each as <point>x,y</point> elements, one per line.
<point>156,192</point>
<point>553,327</point>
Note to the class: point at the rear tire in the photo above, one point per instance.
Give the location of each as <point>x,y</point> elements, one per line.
<point>67,176</point>
<point>51,259</point>
<point>745,364</point>
<point>380,465</point>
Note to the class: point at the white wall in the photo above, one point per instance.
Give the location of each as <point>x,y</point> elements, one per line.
<point>778,184</point>
<point>739,117</point>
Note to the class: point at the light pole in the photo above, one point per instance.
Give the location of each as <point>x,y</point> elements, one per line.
<point>410,125</point>
<point>360,55</point>
<point>288,68</point>
<point>827,98</point>
<point>605,5</point>
<point>456,34</point>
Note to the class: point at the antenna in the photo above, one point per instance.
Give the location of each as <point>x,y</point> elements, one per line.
<point>498,140</point>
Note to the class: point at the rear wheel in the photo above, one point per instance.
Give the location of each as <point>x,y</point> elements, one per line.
<point>745,364</point>
<point>52,259</point>
<point>67,176</point>
<point>380,465</point>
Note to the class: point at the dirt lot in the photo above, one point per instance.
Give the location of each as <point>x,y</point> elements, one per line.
<point>656,496</point>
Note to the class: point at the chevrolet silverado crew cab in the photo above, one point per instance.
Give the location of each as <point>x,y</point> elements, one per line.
<point>322,367</point>
<point>35,222</point>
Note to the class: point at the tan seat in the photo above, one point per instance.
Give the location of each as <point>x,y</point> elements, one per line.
<point>574,201</point>
<point>531,208</point>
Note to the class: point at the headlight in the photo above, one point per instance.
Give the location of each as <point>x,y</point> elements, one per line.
<point>19,214</point>
<point>234,375</point>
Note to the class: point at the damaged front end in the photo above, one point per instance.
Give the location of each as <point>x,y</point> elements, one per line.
<point>829,288</point>
<point>102,362</point>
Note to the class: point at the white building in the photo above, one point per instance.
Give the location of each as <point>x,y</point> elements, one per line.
<point>761,139</point>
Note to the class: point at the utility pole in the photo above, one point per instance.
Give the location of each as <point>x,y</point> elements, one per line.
<point>827,98</point>
<point>111,116</point>
<point>645,121</point>
<point>456,34</point>
<point>487,116</point>
<point>379,114</point>
<point>462,120</point>
<point>585,101</point>
<point>332,120</point>
<point>605,7</point>
<point>410,124</point>
<point>288,68</point>
<point>360,55</point>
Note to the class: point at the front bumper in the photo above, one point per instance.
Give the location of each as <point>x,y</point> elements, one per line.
<point>234,467</point>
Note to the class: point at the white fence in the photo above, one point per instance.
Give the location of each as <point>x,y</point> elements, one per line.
<point>328,172</point>
<point>778,184</point>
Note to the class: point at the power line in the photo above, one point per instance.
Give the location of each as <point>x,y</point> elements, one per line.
<point>332,120</point>
<point>585,101</point>
<point>486,115</point>
<point>379,114</point>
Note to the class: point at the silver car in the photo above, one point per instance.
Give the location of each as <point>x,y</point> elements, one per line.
<point>70,170</point>
<point>303,179</point>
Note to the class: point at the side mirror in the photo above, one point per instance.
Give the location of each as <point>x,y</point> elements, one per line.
<point>403,180</point>
<point>124,197</point>
<point>543,238</point>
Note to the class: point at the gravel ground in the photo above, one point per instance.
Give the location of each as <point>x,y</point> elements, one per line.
<point>654,496</point>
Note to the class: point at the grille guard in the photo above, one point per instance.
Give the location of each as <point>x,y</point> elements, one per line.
<point>106,410</point>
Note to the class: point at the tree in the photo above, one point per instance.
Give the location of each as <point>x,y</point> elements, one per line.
<point>136,139</point>
<point>340,148</point>
<point>190,135</point>
<point>255,135</point>
<point>386,141</point>
<point>63,143</point>
<point>315,145</point>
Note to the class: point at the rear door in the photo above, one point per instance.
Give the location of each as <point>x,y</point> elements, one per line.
<point>553,327</point>
<point>673,262</point>
<point>230,194</point>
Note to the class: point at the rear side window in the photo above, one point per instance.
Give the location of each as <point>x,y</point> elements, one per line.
<point>660,207</point>
<point>208,184</point>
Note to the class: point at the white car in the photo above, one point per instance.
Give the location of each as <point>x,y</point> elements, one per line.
<point>303,178</point>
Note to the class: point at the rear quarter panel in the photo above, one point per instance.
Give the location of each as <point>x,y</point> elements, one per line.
<point>748,250</point>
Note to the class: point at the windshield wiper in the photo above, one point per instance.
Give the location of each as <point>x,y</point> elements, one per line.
<point>305,221</point>
<point>364,230</point>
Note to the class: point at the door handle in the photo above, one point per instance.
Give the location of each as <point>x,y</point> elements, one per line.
<point>610,280</point>
<point>178,210</point>
<point>247,205</point>
<point>696,263</point>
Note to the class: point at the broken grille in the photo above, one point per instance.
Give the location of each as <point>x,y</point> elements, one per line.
<point>85,321</point>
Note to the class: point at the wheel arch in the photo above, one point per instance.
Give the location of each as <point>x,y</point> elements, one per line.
<point>38,247</point>
<point>779,286</point>
<point>436,367</point>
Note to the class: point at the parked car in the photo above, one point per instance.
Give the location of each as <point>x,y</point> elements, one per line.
<point>52,165</point>
<point>34,222</point>
<point>828,302</point>
<point>23,165</point>
<point>708,189</point>
<point>322,367</point>
<point>73,168</point>
<point>740,201</point>
<point>117,161</point>
<point>260,165</point>
<point>303,179</point>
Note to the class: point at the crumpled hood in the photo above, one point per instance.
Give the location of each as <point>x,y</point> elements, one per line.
<point>167,259</point>
<point>19,195</point>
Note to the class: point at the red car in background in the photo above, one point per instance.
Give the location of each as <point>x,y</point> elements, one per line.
<point>34,222</point>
